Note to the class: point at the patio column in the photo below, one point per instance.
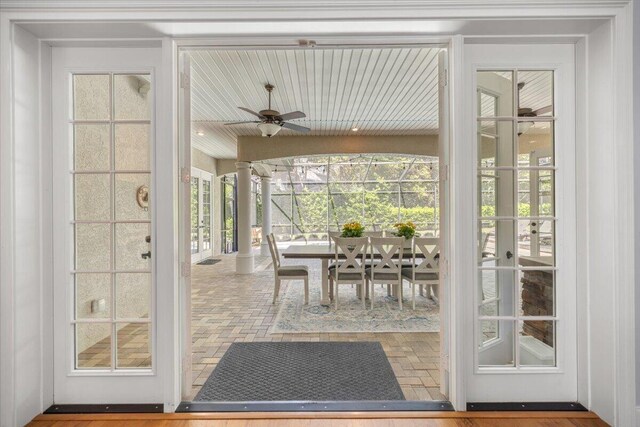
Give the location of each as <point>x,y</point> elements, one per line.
<point>244,257</point>
<point>265,186</point>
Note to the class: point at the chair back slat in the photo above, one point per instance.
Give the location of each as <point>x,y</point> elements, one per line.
<point>273,248</point>
<point>429,247</point>
<point>386,254</point>
<point>372,234</point>
<point>353,249</point>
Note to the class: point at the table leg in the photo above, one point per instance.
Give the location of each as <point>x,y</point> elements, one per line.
<point>324,300</point>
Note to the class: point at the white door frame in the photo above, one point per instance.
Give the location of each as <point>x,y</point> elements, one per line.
<point>616,74</point>
<point>448,311</point>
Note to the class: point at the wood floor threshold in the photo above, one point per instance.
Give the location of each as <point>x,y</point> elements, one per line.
<point>319,415</point>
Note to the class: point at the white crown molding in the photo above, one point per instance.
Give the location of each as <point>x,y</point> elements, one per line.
<point>271,5</point>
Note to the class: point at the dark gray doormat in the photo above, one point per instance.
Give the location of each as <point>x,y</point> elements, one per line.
<point>302,371</point>
<point>208,261</point>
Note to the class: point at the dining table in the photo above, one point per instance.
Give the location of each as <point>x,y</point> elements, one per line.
<point>325,253</point>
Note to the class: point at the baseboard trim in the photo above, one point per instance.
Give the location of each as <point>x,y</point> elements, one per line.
<point>303,406</point>
<point>525,406</point>
<point>144,408</point>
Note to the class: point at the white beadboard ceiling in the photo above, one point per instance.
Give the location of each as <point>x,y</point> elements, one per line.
<point>381,91</point>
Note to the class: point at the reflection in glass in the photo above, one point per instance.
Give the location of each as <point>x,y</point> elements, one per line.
<point>93,345</point>
<point>495,93</point>
<point>492,351</point>
<point>131,97</point>
<point>91,97</point>
<point>127,206</point>
<point>133,295</point>
<point>93,295</point>
<point>496,243</point>
<point>495,143</point>
<point>195,214</point>
<point>537,343</point>
<point>535,193</point>
<point>91,147</point>
<point>93,247</point>
<point>537,289</point>
<point>133,345</point>
<point>92,196</point>
<point>536,239</point>
<point>535,145</point>
<point>535,93</point>
<point>132,147</point>
<point>130,244</point>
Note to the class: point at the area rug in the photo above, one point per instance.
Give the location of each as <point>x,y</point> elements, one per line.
<point>302,371</point>
<point>209,261</point>
<point>295,317</point>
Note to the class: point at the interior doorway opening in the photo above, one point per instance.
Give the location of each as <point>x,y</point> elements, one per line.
<point>361,147</point>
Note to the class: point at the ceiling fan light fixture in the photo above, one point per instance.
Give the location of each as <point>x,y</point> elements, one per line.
<point>269,129</point>
<point>523,127</point>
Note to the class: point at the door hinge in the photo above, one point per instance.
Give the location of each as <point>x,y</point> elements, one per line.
<point>185,269</point>
<point>185,175</point>
<point>184,80</point>
<point>444,173</point>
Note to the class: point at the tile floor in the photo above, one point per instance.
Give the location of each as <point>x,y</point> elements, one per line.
<point>230,308</point>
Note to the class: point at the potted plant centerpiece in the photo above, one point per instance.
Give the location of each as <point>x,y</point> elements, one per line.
<point>352,229</point>
<point>406,230</point>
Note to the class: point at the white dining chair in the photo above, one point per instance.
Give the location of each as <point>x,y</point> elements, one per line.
<point>350,269</point>
<point>286,272</point>
<point>424,270</point>
<point>386,265</point>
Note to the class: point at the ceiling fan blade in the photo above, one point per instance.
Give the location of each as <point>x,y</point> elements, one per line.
<point>252,112</point>
<point>295,127</point>
<point>240,123</point>
<point>292,115</point>
<point>544,110</point>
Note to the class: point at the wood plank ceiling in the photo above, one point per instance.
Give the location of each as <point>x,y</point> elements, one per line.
<point>381,91</point>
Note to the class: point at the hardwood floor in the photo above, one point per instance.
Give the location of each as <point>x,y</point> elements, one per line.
<point>401,419</point>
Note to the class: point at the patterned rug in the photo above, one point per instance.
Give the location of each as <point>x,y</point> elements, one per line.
<point>295,317</point>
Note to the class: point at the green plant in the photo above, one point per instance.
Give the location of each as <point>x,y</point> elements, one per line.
<point>405,229</point>
<point>352,229</point>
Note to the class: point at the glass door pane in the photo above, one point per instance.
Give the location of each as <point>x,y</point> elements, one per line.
<point>195,214</point>
<point>516,316</point>
<point>206,215</point>
<point>111,223</point>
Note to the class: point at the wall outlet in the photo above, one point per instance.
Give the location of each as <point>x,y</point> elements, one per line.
<point>98,305</point>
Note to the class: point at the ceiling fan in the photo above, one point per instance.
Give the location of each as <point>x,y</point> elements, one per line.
<point>271,121</point>
<point>529,112</point>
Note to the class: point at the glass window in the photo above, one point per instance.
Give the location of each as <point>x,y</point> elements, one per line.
<point>312,195</point>
<point>516,219</point>
<point>111,221</point>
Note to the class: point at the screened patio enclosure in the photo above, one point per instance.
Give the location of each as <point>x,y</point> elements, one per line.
<point>314,195</point>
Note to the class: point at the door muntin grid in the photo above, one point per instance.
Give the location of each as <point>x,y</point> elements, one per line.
<point>515,314</point>
<point>112,286</point>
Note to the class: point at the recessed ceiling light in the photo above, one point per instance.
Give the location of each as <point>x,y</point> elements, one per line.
<point>200,133</point>
<point>354,129</point>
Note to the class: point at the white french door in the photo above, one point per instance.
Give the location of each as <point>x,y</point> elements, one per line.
<point>103,120</point>
<point>521,102</point>
<point>201,215</point>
